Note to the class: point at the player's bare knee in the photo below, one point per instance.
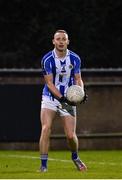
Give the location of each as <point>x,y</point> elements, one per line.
<point>46,129</point>
<point>70,136</point>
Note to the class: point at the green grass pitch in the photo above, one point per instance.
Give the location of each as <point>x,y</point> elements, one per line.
<point>25,165</point>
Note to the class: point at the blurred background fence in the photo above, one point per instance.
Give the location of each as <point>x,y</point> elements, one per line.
<point>99,121</point>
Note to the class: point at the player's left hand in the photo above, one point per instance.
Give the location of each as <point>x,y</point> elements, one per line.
<point>85,98</point>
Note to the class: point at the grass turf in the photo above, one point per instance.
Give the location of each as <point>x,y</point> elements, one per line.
<point>25,164</point>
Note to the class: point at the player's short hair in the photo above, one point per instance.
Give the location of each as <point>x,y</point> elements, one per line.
<point>61,31</point>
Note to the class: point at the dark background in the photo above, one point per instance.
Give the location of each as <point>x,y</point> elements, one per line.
<point>19,113</point>
<point>27,27</point>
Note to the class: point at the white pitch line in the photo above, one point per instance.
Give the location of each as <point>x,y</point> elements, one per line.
<point>53,159</point>
<point>34,157</point>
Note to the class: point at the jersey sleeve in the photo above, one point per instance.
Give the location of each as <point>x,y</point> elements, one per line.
<point>46,66</point>
<point>77,66</point>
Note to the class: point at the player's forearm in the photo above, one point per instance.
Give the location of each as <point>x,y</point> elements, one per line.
<point>79,83</point>
<point>78,80</point>
<point>54,90</point>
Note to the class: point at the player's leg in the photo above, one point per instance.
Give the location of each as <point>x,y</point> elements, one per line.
<point>46,116</point>
<point>69,123</point>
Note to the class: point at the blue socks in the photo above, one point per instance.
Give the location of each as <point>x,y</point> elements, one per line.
<point>74,155</point>
<point>44,158</point>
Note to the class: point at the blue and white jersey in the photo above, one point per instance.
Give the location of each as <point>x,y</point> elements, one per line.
<point>63,70</point>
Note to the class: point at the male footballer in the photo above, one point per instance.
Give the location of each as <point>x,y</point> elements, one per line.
<point>61,69</point>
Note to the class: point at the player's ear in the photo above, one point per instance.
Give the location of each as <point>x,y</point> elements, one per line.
<point>68,42</point>
<point>53,42</point>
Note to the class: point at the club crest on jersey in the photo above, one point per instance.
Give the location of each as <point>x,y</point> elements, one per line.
<point>70,66</point>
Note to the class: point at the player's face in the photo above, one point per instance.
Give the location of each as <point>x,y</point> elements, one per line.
<point>61,41</point>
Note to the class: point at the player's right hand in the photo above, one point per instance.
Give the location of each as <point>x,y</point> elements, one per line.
<point>63,99</point>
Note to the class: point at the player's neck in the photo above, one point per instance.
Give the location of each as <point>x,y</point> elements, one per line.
<point>61,54</point>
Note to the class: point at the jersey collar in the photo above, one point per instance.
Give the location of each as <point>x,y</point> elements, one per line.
<point>55,55</point>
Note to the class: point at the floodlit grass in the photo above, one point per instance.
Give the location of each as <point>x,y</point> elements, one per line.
<point>25,164</point>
